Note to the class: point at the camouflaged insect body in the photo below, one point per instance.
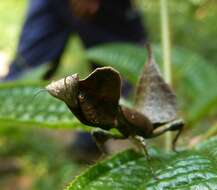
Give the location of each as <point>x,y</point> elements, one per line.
<point>95,101</point>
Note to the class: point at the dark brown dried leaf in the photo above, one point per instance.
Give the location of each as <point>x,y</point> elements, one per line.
<point>154,98</point>
<point>99,95</point>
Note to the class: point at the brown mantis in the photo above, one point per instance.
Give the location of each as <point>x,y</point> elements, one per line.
<point>95,102</point>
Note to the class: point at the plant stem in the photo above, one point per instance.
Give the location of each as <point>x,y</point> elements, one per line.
<point>166,56</point>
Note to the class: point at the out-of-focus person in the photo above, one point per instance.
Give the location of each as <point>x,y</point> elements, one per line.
<point>49,24</point>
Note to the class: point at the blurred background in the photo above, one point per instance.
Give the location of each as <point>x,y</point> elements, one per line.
<point>39,158</point>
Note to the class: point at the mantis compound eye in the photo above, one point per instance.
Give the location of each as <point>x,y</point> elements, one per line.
<point>81,97</point>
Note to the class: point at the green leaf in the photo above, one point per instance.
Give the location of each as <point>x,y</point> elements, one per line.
<point>209,147</point>
<point>19,105</point>
<point>129,170</point>
<point>126,58</point>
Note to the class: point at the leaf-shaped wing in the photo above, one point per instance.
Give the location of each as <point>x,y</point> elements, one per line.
<point>99,95</point>
<point>154,98</point>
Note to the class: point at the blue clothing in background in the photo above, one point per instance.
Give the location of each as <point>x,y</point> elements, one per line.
<point>49,24</point>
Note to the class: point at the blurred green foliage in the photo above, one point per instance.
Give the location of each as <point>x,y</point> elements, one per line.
<point>12,15</point>
<point>192,24</point>
<point>40,156</point>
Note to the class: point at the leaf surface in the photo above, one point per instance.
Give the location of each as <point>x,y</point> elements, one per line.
<point>129,170</point>
<point>20,105</point>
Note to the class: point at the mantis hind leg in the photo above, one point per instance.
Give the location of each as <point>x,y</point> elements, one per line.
<point>176,125</point>
<point>177,137</point>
